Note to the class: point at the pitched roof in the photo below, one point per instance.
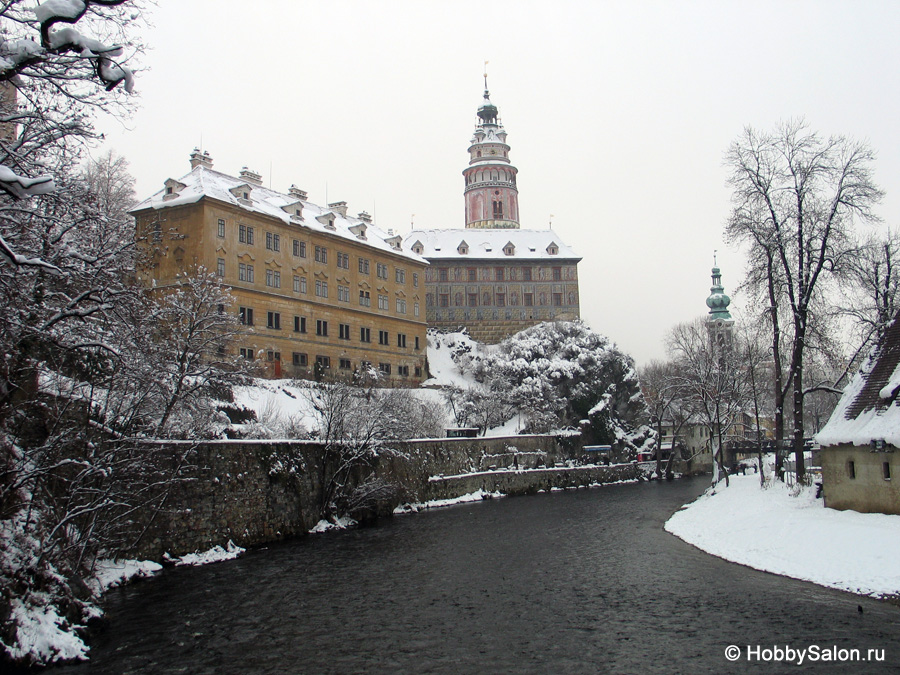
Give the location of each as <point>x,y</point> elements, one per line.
<point>869,408</point>
<point>489,244</point>
<point>204,182</point>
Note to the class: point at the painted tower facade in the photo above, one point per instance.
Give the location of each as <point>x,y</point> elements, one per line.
<point>492,199</point>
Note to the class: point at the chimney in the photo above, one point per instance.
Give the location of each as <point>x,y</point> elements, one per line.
<point>294,191</point>
<point>201,159</point>
<point>339,207</point>
<point>251,177</point>
<point>365,217</point>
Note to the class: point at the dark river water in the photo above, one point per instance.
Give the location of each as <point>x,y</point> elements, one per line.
<point>581,581</point>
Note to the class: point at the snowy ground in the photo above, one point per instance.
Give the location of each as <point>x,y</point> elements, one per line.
<point>797,537</point>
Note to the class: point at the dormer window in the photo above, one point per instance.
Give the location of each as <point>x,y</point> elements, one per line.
<point>553,249</point>
<point>509,249</point>
<point>169,190</point>
<point>418,248</point>
<point>242,193</point>
<point>463,248</point>
<point>173,187</point>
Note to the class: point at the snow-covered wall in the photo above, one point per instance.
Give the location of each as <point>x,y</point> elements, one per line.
<point>253,492</point>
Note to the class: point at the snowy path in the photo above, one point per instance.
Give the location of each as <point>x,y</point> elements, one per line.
<point>794,536</point>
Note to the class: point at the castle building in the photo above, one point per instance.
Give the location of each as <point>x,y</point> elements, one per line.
<point>319,292</point>
<point>494,278</point>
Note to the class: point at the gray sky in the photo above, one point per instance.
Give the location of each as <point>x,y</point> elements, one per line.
<point>618,114</point>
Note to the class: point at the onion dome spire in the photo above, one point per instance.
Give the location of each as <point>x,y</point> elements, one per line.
<point>717,301</point>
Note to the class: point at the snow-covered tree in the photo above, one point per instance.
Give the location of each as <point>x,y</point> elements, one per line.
<point>560,373</point>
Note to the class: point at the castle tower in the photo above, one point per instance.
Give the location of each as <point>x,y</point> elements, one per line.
<point>492,199</point>
<point>719,323</point>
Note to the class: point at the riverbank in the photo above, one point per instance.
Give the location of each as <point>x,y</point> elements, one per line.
<point>795,536</point>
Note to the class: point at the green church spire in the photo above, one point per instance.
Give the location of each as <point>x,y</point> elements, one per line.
<point>717,301</point>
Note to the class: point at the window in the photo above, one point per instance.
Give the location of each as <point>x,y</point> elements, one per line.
<point>321,327</point>
<point>365,334</point>
<point>401,340</point>
<point>417,341</point>
<point>443,274</point>
<point>250,273</point>
<point>444,300</point>
<point>321,255</point>
<point>403,371</point>
<point>364,299</point>
<point>363,265</point>
<point>557,299</point>
<point>345,364</point>
<point>220,267</point>
<point>526,274</point>
<point>246,315</point>
<point>418,371</point>
<point>381,271</point>
<point>343,293</point>
<point>303,284</point>
<point>247,353</point>
<point>299,248</point>
<point>498,273</point>
<point>299,324</point>
<point>886,470</point>
<point>851,469</point>
<point>385,368</point>
<point>299,359</point>
<point>343,261</point>
<point>344,331</point>
<point>557,274</point>
<point>416,308</point>
<point>272,356</point>
<point>383,337</point>
<point>500,299</point>
<point>242,234</point>
<point>220,232</point>
<point>242,272</point>
<point>273,320</point>
<point>323,361</point>
<point>401,306</point>
<point>322,288</point>
<point>498,209</point>
<point>399,275</point>
<point>528,299</point>
<point>472,274</point>
<point>296,284</point>
<point>273,241</point>
<point>415,280</point>
<point>273,279</point>
<point>472,299</point>
<point>383,302</point>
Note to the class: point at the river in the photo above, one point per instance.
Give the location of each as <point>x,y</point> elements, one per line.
<point>579,581</point>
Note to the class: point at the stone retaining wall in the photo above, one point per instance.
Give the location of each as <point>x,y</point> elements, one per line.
<point>253,492</point>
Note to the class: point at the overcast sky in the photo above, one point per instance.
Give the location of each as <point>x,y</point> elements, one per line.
<point>618,115</point>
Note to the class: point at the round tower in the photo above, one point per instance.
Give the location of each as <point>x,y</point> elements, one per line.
<point>492,199</point>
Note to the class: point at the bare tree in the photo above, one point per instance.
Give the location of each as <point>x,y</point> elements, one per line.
<point>711,378</point>
<point>109,180</point>
<point>661,386</point>
<point>796,197</point>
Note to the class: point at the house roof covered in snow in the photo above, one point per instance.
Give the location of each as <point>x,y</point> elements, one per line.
<point>869,409</point>
<point>246,192</point>
<point>474,244</point>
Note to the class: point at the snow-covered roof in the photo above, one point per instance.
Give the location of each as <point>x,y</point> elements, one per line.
<point>204,182</point>
<point>869,408</point>
<point>489,244</point>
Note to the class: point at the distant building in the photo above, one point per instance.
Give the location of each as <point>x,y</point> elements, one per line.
<point>860,463</point>
<point>492,277</point>
<point>319,292</point>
